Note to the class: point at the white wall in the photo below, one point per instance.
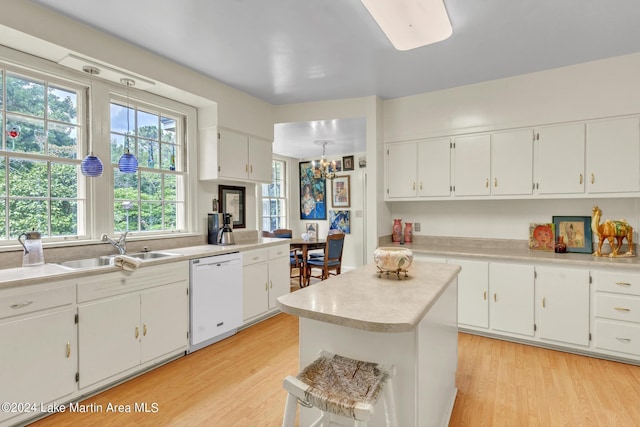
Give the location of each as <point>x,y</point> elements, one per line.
<point>590,90</point>
<point>504,219</point>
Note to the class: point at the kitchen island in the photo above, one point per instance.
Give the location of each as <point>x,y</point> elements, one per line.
<point>410,323</point>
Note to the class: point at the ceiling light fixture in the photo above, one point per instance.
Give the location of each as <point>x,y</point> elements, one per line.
<point>409,24</point>
<point>91,165</point>
<point>327,169</point>
<point>128,162</point>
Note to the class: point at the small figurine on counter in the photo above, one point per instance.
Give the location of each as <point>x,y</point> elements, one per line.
<point>614,232</point>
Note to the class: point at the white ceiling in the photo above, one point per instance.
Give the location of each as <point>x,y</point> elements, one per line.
<point>290,51</point>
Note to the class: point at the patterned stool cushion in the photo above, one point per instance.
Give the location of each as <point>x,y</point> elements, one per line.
<point>337,384</point>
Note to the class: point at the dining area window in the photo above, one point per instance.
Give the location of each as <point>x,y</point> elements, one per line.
<point>274,198</point>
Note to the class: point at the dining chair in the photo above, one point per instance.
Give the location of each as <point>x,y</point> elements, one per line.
<point>283,233</point>
<point>330,262</point>
<point>320,254</point>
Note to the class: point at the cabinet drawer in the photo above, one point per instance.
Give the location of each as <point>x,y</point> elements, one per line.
<point>279,251</point>
<point>622,283</point>
<point>618,307</point>
<point>35,300</point>
<point>623,338</point>
<point>254,256</point>
<point>109,284</point>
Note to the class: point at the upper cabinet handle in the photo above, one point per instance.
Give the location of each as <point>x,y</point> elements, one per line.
<point>486,184</point>
<point>593,179</point>
<point>580,178</point>
<point>495,182</point>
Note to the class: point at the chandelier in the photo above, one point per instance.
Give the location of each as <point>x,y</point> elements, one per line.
<point>326,168</point>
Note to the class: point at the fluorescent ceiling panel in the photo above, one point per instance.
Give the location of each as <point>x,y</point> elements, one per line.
<point>409,24</point>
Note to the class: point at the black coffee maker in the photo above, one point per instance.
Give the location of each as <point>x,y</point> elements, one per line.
<point>215,224</point>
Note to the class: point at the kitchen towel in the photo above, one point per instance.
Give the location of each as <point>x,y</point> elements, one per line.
<point>126,262</point>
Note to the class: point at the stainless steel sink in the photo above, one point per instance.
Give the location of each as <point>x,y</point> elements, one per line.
<point>106,260</point>
<point>88,262</point>
<point>150,255</point>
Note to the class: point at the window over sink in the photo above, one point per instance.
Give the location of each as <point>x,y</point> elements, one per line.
<point>44,135</point>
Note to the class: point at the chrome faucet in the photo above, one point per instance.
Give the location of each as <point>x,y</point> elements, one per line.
<point>120,245</point>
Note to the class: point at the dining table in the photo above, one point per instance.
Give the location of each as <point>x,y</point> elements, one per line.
<point>305,246</point>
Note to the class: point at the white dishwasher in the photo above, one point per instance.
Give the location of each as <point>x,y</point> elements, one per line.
<point>215,299</point>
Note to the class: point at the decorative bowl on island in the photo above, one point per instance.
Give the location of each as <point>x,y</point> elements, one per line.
<point>391,259</point>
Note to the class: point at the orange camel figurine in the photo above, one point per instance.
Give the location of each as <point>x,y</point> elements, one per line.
<point>613,231</point>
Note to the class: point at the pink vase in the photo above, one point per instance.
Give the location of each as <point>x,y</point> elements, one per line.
<point>408,232</point>
<point>396,236</point>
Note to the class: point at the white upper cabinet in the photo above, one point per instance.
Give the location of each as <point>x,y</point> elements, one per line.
<point>226,154</point>
<point>434,166</point>
<point>613,155</point>
<point>512,162</point>
<point>560,159</point>
<point>472,165</point>
<point>401,170</point>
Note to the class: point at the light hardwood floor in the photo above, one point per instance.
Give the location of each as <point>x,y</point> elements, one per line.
<point>238,383</point>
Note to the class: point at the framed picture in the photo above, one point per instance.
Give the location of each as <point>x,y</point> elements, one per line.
<point>347,163</point>
<point>340,220</point>
<point>311,228</point>
<point>340,192</point>
<point>542,237</point>
<point>338,166</point>
<point>576,232</point>
<point>232,201</point>
<point>312,192</point>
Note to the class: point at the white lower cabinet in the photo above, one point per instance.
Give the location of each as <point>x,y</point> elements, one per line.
<point>127,320</point>
<point>617,313</point>
<point>512,291</point>
<point>265,277</point>
<point>562,297</point>
<point>39,356</point>
<point>473,289</point>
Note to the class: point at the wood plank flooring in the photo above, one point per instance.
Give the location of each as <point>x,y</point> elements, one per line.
<point>238,383</point>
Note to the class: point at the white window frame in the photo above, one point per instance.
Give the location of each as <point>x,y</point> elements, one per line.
<point>285,197</point>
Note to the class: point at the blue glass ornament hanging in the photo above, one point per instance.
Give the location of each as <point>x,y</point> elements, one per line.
<point>128,162</point>
<point>91,165</point>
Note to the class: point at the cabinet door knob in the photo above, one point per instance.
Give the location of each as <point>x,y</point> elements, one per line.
<point>622,309</point>
<point>68,352</point>
<point>266,286</point>
<point>495,297</point>
<point>246,168</point>
<point>484,295</point>
<point>414,185</point>
<point>543,302</point>
<point>495,182</point>
<point>623,284</point>
<point>270,284</point>
<point>421,185</point>
<point>593,179</point>
<point>486,184</point>
<point>580,178</point>
<point>137,334</point>
<point>144,330</point>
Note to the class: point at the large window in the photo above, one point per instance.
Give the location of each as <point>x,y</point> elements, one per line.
<point>42,131</point>
<point>152,199</point>
<point>274,198</point>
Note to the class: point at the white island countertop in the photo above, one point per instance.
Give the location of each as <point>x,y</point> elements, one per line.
<point>359,299</point>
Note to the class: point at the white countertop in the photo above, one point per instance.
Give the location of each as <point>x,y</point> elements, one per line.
<point>20,276</point>
<point>360,300</point>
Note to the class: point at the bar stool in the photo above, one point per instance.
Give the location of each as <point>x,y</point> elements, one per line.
<point>341,386</point>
